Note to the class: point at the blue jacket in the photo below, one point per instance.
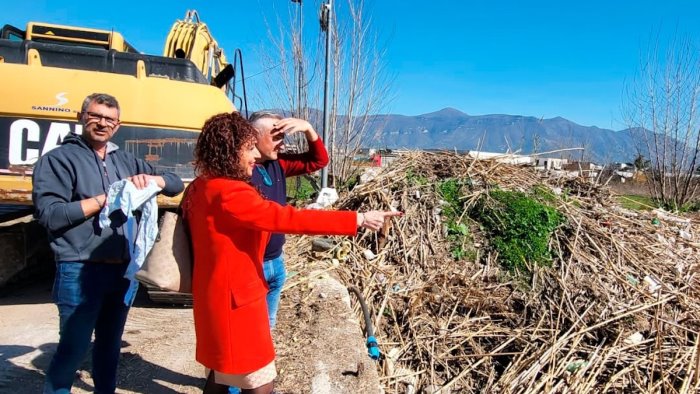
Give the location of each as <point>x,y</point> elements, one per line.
<point>73,172</point>
<point>287,165</point>
<point>276,192</point>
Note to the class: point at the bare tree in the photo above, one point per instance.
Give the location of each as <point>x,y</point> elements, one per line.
<point>287,83</point>
<point>359,81</point>
<point>662,111</point>
<point>365,90</point>
<point>572,140</point>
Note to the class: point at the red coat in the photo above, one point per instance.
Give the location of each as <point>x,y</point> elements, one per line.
<point>230,224</point>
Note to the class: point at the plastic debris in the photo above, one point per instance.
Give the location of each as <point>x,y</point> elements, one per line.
<point>322,244</point>
<point>634,339</point>
<point>343,251</point>
<point>685,234</point>
<point>369,255</point>
<point>368,175</point>
<point>667,216</point>
<point>652,284</point>
<point>326,197</point>
<point>576,365</point>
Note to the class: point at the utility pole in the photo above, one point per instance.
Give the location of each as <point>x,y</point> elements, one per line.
<point>326,20</point>
<point>300,61</point>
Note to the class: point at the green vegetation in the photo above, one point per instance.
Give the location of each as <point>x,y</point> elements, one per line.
<point>453,211</point>
<point>300,188</point>
<point>450,191</point>
<point>636,202</point>
<point>415,179</point>
<point>693,206</point>
<point>519,226</point>
<point>348,184</point>
<point>545,195</point>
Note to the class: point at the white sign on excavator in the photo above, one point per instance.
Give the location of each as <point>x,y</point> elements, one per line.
<point>26,131</point>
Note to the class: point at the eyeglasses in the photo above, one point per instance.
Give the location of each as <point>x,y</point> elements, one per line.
<point>93,116</point>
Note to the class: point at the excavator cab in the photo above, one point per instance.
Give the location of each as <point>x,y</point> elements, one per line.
<point>68,36</point>
<point>188,39</point>
<point>9,32</point>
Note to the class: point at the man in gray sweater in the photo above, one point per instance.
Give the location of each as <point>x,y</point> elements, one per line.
<point>70,184</point>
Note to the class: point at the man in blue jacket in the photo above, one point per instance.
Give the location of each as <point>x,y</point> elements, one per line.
<point>270,176</point>
<point>70,184</point>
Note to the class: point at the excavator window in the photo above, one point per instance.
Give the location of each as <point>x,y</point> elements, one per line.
<point>65,43</point>
<point>12,33</point>
<point>129,48</point>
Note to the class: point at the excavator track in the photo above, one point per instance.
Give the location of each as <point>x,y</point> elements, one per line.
<point>169,297</point>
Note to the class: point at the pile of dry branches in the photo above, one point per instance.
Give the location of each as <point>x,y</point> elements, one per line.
<point>618,311</point>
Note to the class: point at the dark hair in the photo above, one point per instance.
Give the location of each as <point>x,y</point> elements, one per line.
<point>219,146</point>
<point>100,98</point>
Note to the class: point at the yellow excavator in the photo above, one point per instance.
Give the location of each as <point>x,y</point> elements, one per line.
<point>47,70</point>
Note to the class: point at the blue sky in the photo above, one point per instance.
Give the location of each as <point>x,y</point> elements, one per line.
<point>534,58</point>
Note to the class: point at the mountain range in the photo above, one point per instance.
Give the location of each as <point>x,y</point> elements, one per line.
<point>452,129</point>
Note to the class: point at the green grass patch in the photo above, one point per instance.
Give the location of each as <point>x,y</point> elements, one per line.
<point>545,195</point>
<point>458,234</point>
<point>636,202</point>
<point>299,188</point>
<point>519,227</point>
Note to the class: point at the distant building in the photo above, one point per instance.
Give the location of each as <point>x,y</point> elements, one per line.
<point>584,169</point>
<point>549,163</point>
<point>374,157</point>
<point>387,156</point>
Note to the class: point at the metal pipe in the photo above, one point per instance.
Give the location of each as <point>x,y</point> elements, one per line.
<point>300,80</point>
<point>326,119</point>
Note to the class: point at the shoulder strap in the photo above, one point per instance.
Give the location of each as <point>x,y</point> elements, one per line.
<point>179,210</point>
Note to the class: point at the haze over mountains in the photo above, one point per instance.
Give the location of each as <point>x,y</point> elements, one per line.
<point>452,129</point>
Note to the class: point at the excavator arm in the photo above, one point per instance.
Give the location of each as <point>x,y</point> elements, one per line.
<point>191,39</point>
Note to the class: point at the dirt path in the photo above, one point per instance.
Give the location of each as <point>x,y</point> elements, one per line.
<point>157,347</point>
<point>319,345</point>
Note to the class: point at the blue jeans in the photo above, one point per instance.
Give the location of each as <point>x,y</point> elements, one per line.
<point>90,297</point>
<point>275,275</point>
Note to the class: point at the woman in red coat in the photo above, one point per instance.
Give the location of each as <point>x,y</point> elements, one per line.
<point>230,224</point>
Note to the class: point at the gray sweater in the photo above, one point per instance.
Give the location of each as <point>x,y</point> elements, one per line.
<point>73,172</point>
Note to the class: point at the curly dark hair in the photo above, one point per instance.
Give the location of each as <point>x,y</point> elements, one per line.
<point>220,144</point>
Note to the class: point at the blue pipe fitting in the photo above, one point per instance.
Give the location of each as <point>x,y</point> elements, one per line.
<point>373,348</point>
